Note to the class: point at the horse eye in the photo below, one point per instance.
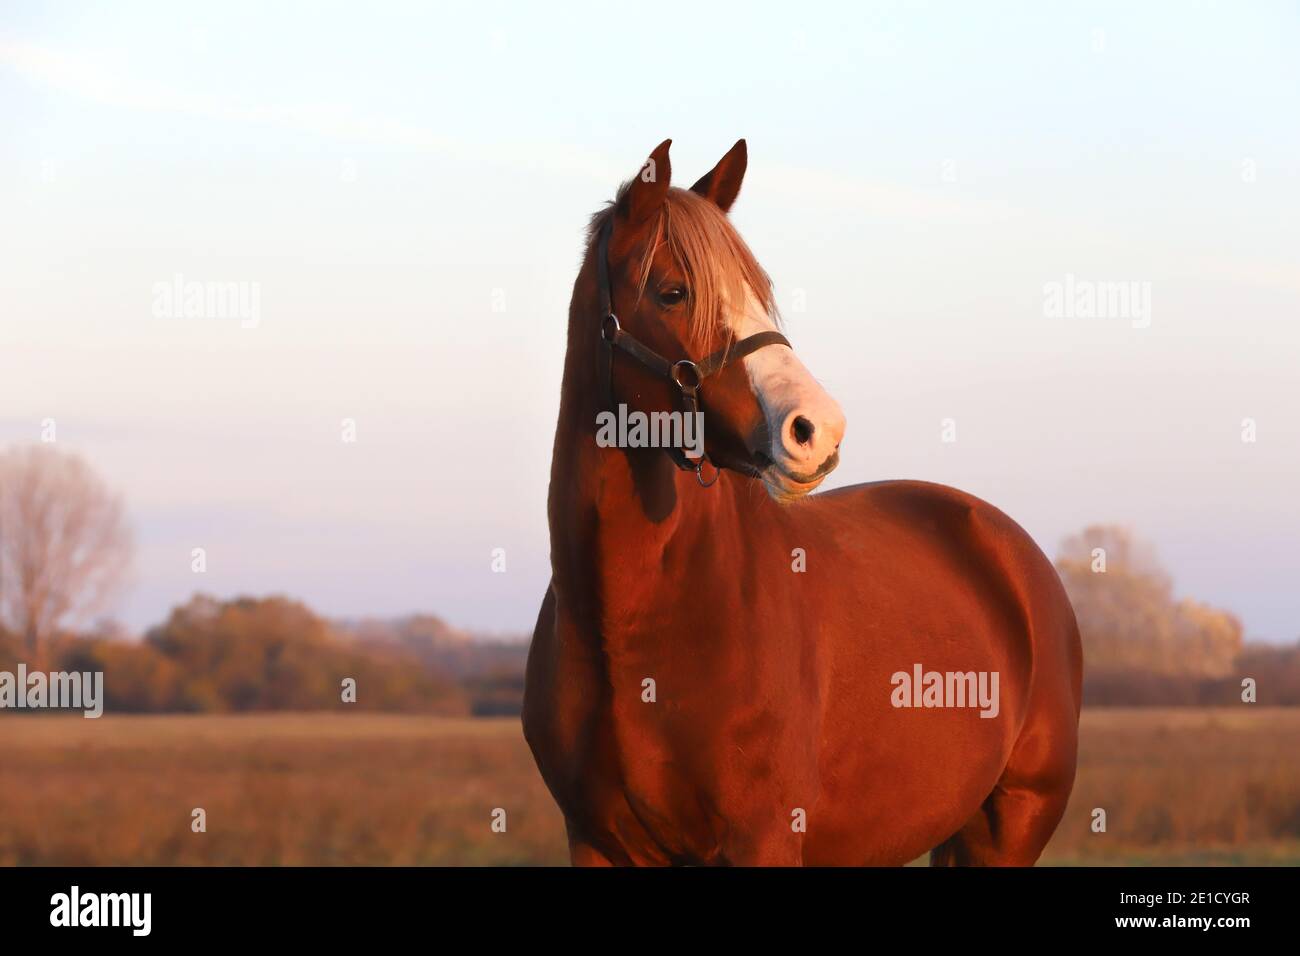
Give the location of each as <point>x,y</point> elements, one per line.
<point>672,296</point>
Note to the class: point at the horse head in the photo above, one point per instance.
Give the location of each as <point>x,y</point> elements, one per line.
<point>681,284</point>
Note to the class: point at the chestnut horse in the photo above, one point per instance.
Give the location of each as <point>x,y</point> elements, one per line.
<point>723,676</point>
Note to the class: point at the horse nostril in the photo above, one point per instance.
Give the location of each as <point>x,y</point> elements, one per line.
<point>802,429</point>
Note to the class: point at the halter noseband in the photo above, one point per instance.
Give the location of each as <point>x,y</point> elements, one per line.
<point>686,374</point>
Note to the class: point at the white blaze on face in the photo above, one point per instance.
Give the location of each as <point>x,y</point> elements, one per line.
<point>804,423</point>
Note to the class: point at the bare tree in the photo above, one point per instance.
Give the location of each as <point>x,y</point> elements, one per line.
<point>65,546</point>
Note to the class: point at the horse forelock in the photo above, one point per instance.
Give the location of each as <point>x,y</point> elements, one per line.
<point>720,270</point>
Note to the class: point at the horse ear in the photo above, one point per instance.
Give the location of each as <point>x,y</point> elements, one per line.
<point>722,183</point>
<point>646,194</point>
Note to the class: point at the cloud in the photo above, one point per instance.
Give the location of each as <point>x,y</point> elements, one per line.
<point>81,78</point>
<point>880,199</point>
<point>78,77</point>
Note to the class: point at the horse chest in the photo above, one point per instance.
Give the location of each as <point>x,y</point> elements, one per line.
<point>708,753</point>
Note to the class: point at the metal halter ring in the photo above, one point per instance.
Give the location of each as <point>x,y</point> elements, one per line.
<point>699,474</point>
<point>605,332</point>
<point>676,374</point>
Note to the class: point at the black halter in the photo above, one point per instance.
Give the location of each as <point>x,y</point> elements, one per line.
<point>686,374</point>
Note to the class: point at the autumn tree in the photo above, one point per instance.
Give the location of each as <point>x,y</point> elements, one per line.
<point>273,653</point>
<point>1128,616</point>
<point>65,546</point>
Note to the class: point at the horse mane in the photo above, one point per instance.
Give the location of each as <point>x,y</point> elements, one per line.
<point>719,267</point>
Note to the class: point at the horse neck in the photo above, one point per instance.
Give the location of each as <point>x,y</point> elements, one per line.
<point>612,508</point>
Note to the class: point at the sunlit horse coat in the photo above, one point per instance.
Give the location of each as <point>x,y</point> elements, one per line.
<point>716,673</point>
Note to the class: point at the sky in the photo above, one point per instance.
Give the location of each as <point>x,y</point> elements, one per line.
<point>404,191</point>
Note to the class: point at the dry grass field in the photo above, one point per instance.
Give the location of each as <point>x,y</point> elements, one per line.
<point>1179,787</point>
<point>278,790</point>
<point>1185,787</point>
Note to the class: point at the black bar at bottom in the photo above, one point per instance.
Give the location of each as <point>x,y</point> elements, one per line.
<point>234,905</point>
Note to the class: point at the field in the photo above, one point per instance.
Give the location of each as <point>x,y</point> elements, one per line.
<point>1178,787</point>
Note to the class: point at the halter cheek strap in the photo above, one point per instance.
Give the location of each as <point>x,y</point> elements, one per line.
<point>686,374</point>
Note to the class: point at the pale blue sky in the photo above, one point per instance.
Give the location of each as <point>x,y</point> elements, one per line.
<point>918,172</point>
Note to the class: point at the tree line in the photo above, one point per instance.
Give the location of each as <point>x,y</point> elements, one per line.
<point>65,549</point>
